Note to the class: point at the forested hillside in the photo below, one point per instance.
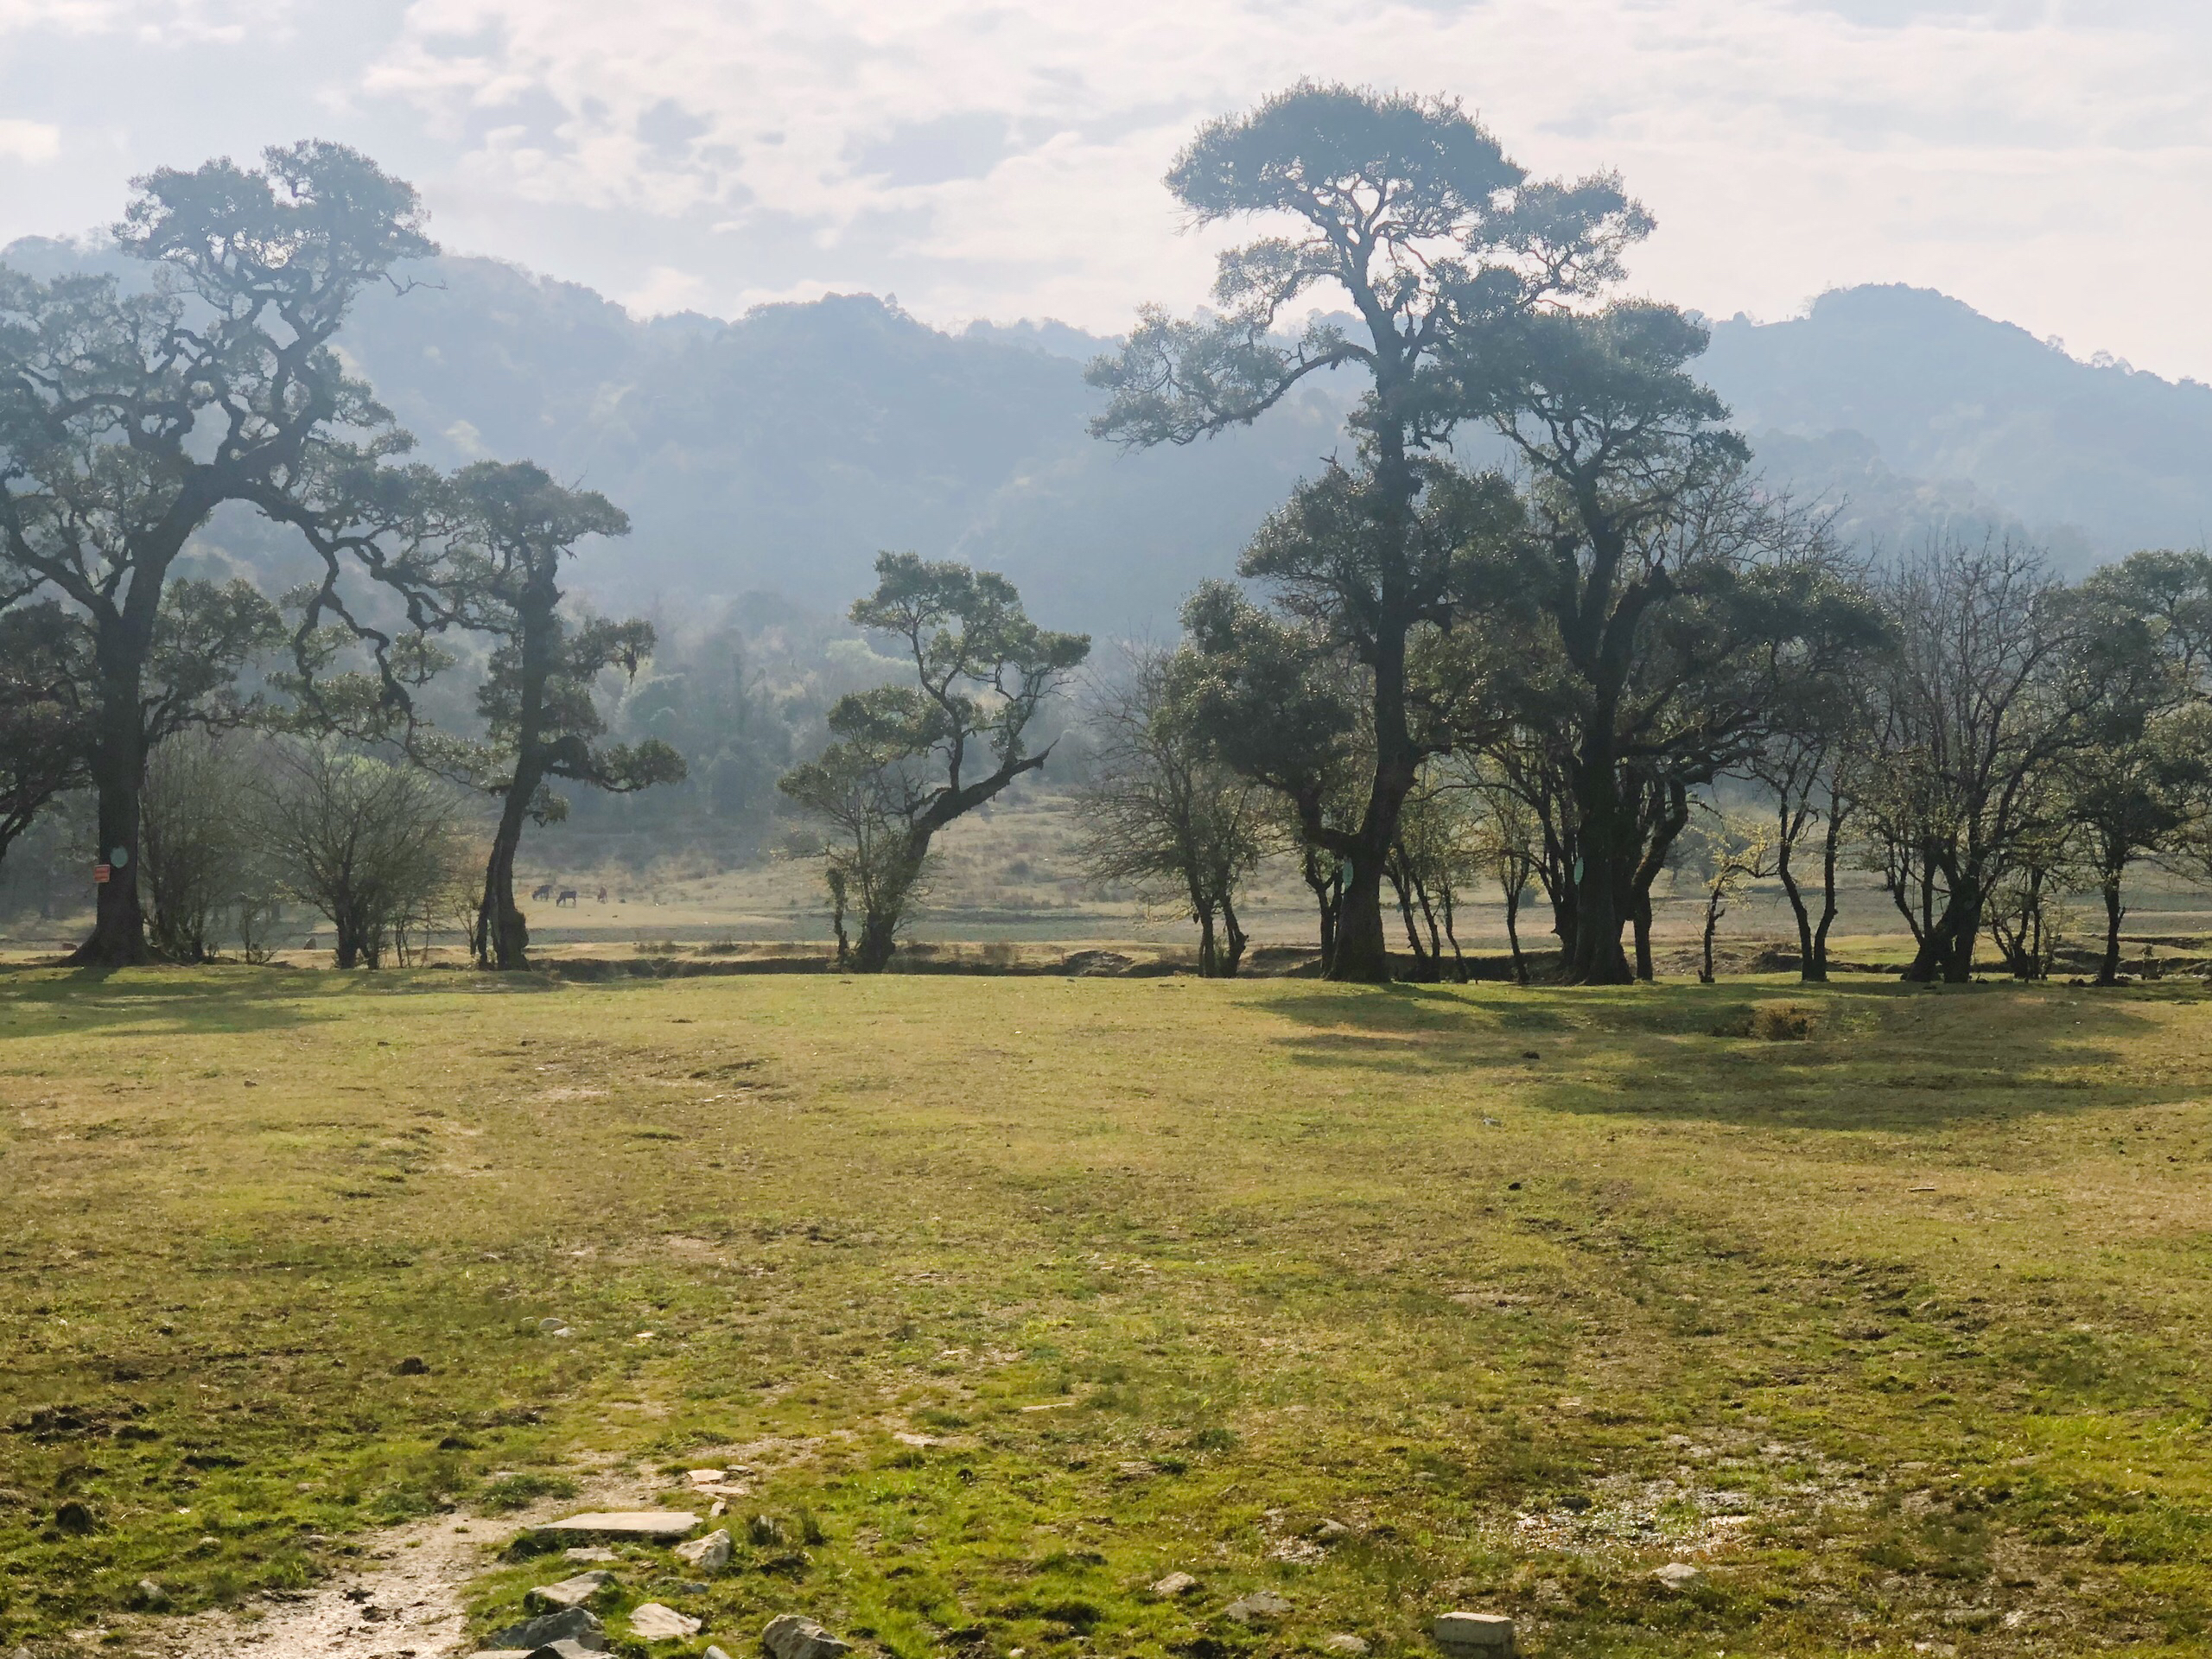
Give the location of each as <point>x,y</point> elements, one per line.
<point>779,452</point>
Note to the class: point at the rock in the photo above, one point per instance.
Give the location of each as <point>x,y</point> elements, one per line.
<point>411,1366</point>
<point>905,1438</point>
<point>788,1636</point>
<point>572,1592</point>
<point>566,1648</point>
<point>1260,1605</point>
<point>1175,1583</point>
<point>622,1524</point>
<point>1345,1642</point>
<point>1474,1634</point>
<point>710,1554</point>
<point>74,1518</point>
<point>713,1652</point>
<point>1330,1532</point>
<point>1676,1575</point>
<point>707,1477</point>
<point>148,1595</point>
<point>575,1625</point>
<point>658,1624</point>
<point>553,1328</point>
<point>1093,964</point>
<point>590,1553</point>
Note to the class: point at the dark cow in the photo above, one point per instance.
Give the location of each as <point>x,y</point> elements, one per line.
<point>546,890</point>
<point>568,897</point>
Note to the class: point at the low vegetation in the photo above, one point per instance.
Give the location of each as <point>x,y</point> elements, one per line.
<point>1884,1307</point>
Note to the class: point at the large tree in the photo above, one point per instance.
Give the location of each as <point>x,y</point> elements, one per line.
<point>1408,210</point>
<point>1666,576</point>
<point>127,416</point>
<point>508,528</point>
<point>906,760</point>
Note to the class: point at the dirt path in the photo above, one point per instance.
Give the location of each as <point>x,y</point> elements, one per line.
<point>400,1599</point>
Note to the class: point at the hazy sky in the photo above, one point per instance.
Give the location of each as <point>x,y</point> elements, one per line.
<point>2048,160</point>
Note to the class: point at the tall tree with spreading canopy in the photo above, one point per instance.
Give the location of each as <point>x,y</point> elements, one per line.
<point>127,417</point>
<point>1408,209</point>
<point>506,529</point>
<point>906,760</point>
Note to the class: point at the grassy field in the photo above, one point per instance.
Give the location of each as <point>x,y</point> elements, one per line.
<point>1897,1329</point>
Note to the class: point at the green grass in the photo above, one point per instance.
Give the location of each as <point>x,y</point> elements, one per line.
<point>1899,1328</point>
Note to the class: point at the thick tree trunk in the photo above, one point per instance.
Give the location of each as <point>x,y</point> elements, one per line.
<point>119,936</point>
<point>1208,955</point>
<point>1361,954</point>
<point>2108,970</point>
<point>1328,899</point>
<point>1513,936</point>
<point>502,936</point>
<point>1234,956</point>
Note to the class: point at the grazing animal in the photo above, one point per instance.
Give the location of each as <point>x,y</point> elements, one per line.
<point>543,891</point>
<point>568,897</point>
<point>602,895</point>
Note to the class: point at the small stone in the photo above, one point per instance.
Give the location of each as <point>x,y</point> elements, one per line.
<point>788,1636</point>
<point>566,1647</point>
<point>658,1624</point>
<point>1175,1583</point>
<point>590,1553</point>
<point>905,1438</point>
<point>1330,1532</point>
<point>411,1366</point>
<point>1473,1633</point>
<point>710,1554</point>
<point>576,1624</point>
<point>707,1477</point>
<point>721,1508</point>
<point>624,1523</point>
<point>1345,1642</point>
<point>714,1652</point>
<point>1260,1605</point>
<point>553,1328</point>
<point>572,1592</point>
<point>151,1595</point>
<point>1676,1575</point>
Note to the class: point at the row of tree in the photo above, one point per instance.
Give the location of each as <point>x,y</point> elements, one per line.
<point>1543,674</point>
<point>1540,674</point>
<point>130,414</point>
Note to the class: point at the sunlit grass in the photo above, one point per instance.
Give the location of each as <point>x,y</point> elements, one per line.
<point>1896,1325</point>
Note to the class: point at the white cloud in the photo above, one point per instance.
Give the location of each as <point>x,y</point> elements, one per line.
<point>2042,159</point>
<point>29,142</point>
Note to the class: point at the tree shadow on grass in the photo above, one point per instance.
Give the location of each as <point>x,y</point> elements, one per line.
<point>1874,1055</point>
<point>45,1001</point>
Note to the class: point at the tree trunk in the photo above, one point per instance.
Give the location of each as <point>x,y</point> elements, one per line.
<point>1235,954</point>
<point>1815,965</point>
<point>502,936</point>
<point>1785,844</point>
<point>1325,902</point>
<point>118,937</point>
<point>1424,971</point>
<point>1513,934</point>
<point>1361,953</point>
<point>879,933</point>
<point>1595,957</point>
<point>1208,960</point>
<point>1640,926</point>
<point>1714,911</point>
<point>2108,970</point>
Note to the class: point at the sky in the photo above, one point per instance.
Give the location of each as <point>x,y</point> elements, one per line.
<point>2049,162</point>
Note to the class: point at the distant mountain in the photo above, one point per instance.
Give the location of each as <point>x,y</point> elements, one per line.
<point>1879,388</point>
<point>779,453</point>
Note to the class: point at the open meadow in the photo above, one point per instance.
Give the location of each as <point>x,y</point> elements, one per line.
<point>999,1300</point>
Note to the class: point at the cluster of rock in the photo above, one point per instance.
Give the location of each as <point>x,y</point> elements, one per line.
<point>568,1628</point>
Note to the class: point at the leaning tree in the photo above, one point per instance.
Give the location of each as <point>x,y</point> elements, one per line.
<point>1408,210</point>
<point>128,416</point>
<point>906,760</point>
<point>506,529</point>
